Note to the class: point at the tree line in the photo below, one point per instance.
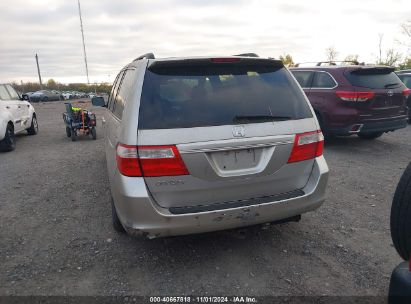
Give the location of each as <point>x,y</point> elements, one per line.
<point>51,84</point>
<point>390,56</point>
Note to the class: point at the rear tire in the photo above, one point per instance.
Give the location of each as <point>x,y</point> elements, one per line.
<point>94,133</point>
<point>370,135</point>
<point>8,143</point>
<point>73,135</point>
<point>68,132</point>
<point>400,221</point>
<point>34,127</point>
<point>116,221</point>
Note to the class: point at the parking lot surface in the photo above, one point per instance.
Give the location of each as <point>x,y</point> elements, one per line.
<point>56,236</point>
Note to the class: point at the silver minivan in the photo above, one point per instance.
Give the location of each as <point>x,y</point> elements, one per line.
<point>209,143</point>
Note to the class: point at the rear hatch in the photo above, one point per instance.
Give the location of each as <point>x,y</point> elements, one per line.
<point>230,123</point>
<point>385,90</point>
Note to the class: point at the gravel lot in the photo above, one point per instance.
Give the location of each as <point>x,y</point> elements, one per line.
<point>56,236</point>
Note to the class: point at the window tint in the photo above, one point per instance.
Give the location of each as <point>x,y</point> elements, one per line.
<point>203,96</point>
<point>12,92</point>
<point>323,80</point>
<point>4,95</point>
<point>124,92</point>
<point>374,78</point>
<point>303,78</point>
<point>114,91</point>
<point>406,79</point>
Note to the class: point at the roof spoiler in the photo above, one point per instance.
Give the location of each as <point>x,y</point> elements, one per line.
<point>331,62</point>
<point>207,62</point>
<point>373,70</point>
<point>145,56</point>
<point>247,55</point>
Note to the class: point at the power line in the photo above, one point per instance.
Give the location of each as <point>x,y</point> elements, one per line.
<point>82,36</point>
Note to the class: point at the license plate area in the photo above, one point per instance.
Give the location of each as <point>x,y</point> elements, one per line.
<point>234,160</point>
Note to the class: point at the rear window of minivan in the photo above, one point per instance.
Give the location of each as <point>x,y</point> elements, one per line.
<point>190,96</point>
<point>374,78</point>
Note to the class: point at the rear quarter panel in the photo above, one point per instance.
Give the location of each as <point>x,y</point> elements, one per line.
<point>336,114</point>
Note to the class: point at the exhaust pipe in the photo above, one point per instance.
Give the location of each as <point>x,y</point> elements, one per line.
<point>356,128</point>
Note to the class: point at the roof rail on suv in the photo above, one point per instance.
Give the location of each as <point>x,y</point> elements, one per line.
<point>146,56</point>
<point>404,71</point>
<point>332,62</point>
<point>247,55</point>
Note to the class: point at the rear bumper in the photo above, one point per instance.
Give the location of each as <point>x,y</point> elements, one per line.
<point>140,216</point>
<point>374,125</point>
<point>400,284</point>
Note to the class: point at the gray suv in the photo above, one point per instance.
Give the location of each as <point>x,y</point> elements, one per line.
<point>202,144</point>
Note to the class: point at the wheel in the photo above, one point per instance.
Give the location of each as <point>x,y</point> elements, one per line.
<point>116,221</point>
<point>400,221</point>
<point>94,133</point>
<point>370,135</point>
<point>8,143</point>
<point>34,127</point>
<point>45,99</point>
<point>73,135</point>
<point>68,132</point>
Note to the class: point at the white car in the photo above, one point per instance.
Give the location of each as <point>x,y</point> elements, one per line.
<point>15,116</point>
<point>66,95</point>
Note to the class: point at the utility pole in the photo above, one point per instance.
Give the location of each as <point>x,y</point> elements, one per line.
<point>38,71</point>
<point>380,47</point>
<point>82,36</point>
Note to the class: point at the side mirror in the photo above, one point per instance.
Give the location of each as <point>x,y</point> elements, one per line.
<point>98,101</point>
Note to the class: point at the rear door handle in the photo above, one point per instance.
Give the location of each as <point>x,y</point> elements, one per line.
<point>103,120</point>
<point>7,107</point>
<point>19,107</point>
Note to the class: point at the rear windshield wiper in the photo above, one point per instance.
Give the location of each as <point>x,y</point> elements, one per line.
<point>259,118</point>
<point>391,84</point>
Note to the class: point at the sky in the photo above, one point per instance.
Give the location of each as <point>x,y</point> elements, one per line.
<point>117,31</point>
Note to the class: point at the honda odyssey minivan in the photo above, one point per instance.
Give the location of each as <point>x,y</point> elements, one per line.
<point>203,144</point>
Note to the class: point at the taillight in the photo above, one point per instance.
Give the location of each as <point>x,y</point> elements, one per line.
<point>355,96</point>
<point>161,161</point>
<point>150,161</point>
<point>127,160</point>
<point>307,146</point>
<point>225,60</point>
<point>406,92</point>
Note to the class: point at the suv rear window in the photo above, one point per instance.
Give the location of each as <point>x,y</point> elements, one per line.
<point>374,78</point>
<point>406,79</point>
<point>198,96</point>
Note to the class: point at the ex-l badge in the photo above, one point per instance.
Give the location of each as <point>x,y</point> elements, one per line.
<point>238,131</point>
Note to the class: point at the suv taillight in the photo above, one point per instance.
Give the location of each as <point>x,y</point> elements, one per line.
<point>406,92</point>
<point>307,146</point>
<point>150,161</point>
<point>355,96</point>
